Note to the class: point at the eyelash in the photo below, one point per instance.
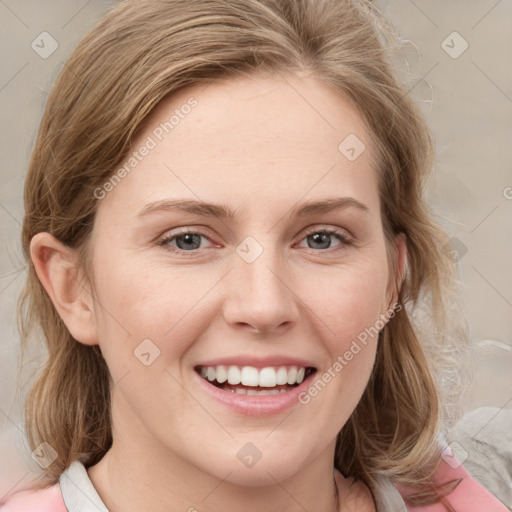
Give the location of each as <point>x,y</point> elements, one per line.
<point>341,235</point>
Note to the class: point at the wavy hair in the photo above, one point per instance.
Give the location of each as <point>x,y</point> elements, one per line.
<point>145,50</point>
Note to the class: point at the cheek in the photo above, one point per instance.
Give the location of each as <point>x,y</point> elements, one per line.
<point>124,299</point>
<point>349,309</point>
<point>348,300</point>
<point>137,302</point>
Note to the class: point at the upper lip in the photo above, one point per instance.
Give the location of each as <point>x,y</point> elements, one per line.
<point>258,361</point>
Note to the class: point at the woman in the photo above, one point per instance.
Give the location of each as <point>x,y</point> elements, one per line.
<point>226,236</point>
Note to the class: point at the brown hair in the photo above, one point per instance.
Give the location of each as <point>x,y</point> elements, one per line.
<point>143,51</point>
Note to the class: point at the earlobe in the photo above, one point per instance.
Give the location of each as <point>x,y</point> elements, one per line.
<point>58,271</point>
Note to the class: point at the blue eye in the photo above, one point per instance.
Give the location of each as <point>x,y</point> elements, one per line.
<point>323,237</point>
<point>186,241</point>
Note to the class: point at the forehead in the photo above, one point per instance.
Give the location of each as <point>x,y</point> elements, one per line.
<point>271,136</point>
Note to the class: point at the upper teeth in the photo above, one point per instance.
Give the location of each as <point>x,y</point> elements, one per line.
<point>267,377</point>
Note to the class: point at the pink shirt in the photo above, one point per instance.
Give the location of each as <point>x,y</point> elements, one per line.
<point>44,500</point>
<point>462,493</point>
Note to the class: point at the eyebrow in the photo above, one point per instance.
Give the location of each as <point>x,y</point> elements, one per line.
<point>224,212</point>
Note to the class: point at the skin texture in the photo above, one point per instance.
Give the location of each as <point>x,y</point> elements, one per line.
<point>261,146</point>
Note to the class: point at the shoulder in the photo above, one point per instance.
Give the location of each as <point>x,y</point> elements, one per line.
<point>48,499</point>
<point>486,438</point>
<point>452,487</point>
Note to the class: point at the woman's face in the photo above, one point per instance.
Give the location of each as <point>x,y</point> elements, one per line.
<point>260,294</point>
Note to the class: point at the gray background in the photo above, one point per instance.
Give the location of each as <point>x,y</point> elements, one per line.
<point>466,98</point>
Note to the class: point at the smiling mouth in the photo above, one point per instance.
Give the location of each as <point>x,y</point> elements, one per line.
<point>248,380</point>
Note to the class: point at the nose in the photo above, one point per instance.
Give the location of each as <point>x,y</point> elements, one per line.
<point>260,297</point>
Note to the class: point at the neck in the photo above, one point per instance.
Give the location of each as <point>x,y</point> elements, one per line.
<point>133,477</point>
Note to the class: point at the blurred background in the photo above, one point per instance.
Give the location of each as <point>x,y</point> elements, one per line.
<point>458,69</point>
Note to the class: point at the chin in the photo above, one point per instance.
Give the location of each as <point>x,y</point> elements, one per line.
<point>252,467</point>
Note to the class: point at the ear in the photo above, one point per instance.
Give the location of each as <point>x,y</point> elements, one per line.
<point>57,268</point>
<point>399,268</point>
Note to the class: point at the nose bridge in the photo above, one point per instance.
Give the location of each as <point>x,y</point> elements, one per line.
<point>259,265</point>
<point>261,296</point>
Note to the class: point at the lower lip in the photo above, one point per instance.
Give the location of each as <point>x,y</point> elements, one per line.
<point>256,405</point>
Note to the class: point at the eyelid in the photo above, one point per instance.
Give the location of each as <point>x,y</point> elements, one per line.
<point>342,233</point>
